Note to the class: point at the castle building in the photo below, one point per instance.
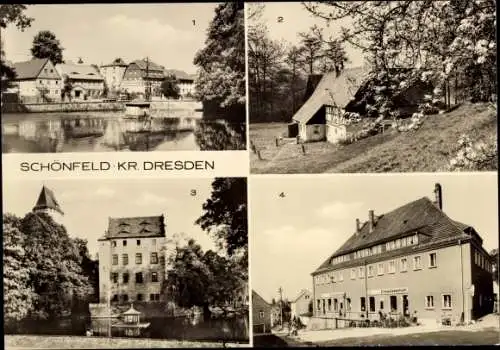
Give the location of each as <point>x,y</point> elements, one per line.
<point>113,73</point>
<point>48,204</point>
<point>412,261</point>
<point>132,260</point>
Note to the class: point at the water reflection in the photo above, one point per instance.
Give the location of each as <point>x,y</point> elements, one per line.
<point>49,133</point>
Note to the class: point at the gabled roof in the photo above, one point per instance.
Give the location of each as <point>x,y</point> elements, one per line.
<point>47,200</point>
<point>301,293</point>
<point>331,90</point>
<point>141,226</point>
<point>142,64</point>
<point>117,62</point>
<point>179,74</point>
<point>257,297</point>
<point>29,69</point>
<point>79,71</point>
<point>421,216</point>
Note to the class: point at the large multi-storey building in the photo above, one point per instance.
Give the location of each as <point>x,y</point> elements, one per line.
<point>132,260</point>
<point>113,74</point>
<point>141,75</point>
<point>413,261</point>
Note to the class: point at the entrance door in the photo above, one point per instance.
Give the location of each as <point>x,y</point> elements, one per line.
<point>406,306</point>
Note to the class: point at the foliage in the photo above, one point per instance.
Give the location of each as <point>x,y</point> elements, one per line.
<point>67,88</point>
<point>13,13</point>
<point>46,45</point>
<point>443,42</point>
<point>225,214</point>
<point>170,87</point>
<point>220,136</point>
<point>18,296</point>
<point>221,74</point>
<point>7,74</point>
<point>481,155</point>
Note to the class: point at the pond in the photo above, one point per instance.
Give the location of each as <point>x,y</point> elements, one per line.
<point>233,329</point>
<point>113,131</point>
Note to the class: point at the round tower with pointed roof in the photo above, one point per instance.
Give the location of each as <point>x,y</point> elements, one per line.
<point>48,204</point>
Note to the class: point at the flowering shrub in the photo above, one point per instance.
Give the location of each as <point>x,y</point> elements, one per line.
<point>474,156</point>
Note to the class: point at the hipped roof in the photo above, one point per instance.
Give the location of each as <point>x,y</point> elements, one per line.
<point>47,200</point>
<point>141,226</point>
<point>79,71</point>
<point>421,215</point>
<point>331,90</point>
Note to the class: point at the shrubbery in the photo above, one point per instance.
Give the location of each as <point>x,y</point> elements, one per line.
<point>481,155</point>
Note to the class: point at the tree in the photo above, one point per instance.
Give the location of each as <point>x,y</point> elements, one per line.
<point>220,83</point>
<point>310,49</point>
<point>225,214</point>
<point>67,88</point>
<point>14,14</point>
<point>7,74</point>
<point>170,87</point>
<point>46,45</point>
<point>18,296</point>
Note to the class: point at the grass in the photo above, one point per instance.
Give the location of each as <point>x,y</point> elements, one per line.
<point>427,149</point>
<point>78,342</point>
<point>488,336</point>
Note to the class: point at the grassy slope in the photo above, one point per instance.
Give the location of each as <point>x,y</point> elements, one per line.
<point>427,149</point>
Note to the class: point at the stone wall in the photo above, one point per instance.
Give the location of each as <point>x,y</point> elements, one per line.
<point>62,107</point>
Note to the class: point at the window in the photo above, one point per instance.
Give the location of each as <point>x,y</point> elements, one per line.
<point>261,314</point>
<point>446,301</point>
<point>371,271</point>
<point>113,244</point>
<point>138,242</point>
<point>154,297</point>
<point>115,259</point>
<point>125,278</point>
<point>125,259</point>
<point>348,304</point>
<point>139,297</point>
<point>114,277</point>
<point>330,304</point>
<point>363,304</point>
<point>429,302</point>
<point>417,263</point>
<point>361,272</point>
<point>372,304</point>
<point>432,260</point>
<point>381,268</point>
<point>319,304</point>
<point>125,298</point>
<point>335,304</point>
<point>353,273</point>
<point>404,264</point>
<point>154,258</point>
<point>341,276</point>
<point>124,242</point>
<point>394,303</point>
<point>138,258</point>
<point>115,297</point>
<point>392,266</point>
<point>381,304</point>
<point>138,277</point>
<point>154,276</point>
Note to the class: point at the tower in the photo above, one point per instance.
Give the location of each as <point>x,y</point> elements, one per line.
<point>47,203</point>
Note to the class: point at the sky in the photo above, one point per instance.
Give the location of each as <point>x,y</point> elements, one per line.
<point>286,19</point>
<point>169,34</point>
<point>291,236</point>
<point>87,204</point>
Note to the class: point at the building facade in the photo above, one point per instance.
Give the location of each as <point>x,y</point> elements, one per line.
<point>184,81</point>
<point>86,80</point>
<point>113,74</point>
<point>37,81</point>
<point>261,314</point>
<point>300,305</point>
<point>132,260</point>
<point>412,261</point>
<point>141,75</point>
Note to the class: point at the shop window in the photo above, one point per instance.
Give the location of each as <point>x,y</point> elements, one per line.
<point>372,304</point>
<point>447,301</point>
<point>432,260</point>
<point>363,304</point>
<point>394,303</point>
<point>429,302</point>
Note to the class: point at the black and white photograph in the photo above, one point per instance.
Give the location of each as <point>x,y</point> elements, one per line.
<point>374,260</point>
<point>125,263</point>
<point>372,86</point>
<point>123,77</point>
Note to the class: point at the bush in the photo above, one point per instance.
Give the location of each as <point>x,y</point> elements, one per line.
<point>481,155</point>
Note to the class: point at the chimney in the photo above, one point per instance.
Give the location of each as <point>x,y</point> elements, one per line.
<point>371,220</point>
<point>358,225</point>
<point>438,196</point>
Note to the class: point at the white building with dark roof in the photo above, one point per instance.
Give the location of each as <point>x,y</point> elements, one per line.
<point>86,80</point>
<point>37,80</point>
<point>113,73</point>
<point>132,260</point>
<point>411,261</point>
<point>141,75</point>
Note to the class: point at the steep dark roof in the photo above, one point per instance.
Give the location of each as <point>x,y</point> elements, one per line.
<point>142,64</point>
<point>256,298</point>
<point>29,69</point>
<point>117,62</point>
<point>302,292</point>
<point>47,200</point>
<point>145,226</point>
<point>421,216</point>
<point>312,81</point>
<point>331,90</point>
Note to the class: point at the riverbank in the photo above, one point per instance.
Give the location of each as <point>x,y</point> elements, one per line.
<point>78,342</point>
<point>87,106</point>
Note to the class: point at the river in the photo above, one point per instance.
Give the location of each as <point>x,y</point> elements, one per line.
<point>113,131</point>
